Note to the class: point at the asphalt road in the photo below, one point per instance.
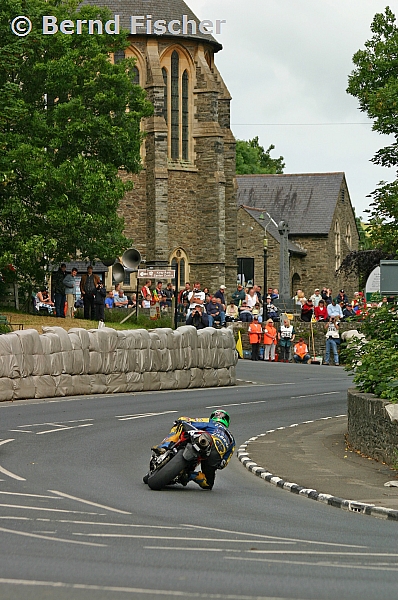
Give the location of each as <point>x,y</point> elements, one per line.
<point>76,521</point>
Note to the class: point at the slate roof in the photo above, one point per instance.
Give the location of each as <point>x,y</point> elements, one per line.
<point>273,229</point>
<point>305,201</point>
<point>159,9</point>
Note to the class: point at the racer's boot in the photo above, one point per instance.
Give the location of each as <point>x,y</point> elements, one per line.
<point>200,479</point>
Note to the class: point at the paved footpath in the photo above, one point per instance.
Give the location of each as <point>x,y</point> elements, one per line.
<point>314,456</point>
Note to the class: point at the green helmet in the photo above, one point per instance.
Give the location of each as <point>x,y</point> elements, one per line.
<point>221,416</point>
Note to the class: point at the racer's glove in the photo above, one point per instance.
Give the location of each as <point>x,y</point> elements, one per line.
<point>223,464</point>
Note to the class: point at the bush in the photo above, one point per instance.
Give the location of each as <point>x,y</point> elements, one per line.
<point>374,361</point>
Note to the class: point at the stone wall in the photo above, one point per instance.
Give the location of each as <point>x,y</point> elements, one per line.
<point>370,429</point>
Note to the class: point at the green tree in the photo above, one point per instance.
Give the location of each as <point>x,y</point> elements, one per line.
<point>374,82</point>
<point>64,134</point>
<point>252,158</point>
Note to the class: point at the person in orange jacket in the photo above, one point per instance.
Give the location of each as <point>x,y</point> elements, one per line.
<point>270,335</point>
<point>255,332</point>
<point>301,353</point>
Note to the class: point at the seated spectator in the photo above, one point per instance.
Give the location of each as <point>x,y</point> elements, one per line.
<point>132,301</point>
<point>146,302</point>
<point>334,310</point>
<point>43,300</point>
<point>251,298</point>
<point>245,314</point>
<point>348,312</point>
<point>120,301</point>
<point>182,310</point>
<point>109,302</point>
<point>198,318</point>
<point>270,311</point>
<point>275,294</point>
<point>215,312</point>
<point>327,295</point>
<point>307,310</point>
<point>341,297</point>
<point>146,289</point>
<point>300,298</point>
<point>300,352</point>
<point>232,312</point>
<point>258,312</point>
<point>320,311</point>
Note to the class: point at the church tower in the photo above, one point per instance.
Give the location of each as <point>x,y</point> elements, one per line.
<point>183,205</point>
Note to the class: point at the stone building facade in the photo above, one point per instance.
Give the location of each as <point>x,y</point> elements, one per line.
<point>321,220</point>
<point>183,205</point>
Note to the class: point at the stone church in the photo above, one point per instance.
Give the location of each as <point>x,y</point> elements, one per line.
<point>183,205</point>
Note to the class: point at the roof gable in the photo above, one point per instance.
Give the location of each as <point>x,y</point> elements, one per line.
<point>307,202</point>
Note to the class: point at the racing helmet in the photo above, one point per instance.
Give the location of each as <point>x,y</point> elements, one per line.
<point>221,416</point>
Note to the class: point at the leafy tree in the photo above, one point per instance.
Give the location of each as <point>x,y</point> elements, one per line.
<point>374,82</point>
<point>64,134</point>
<point>252,158</point>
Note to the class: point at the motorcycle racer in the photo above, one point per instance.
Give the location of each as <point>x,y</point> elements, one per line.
<point>217,425</point>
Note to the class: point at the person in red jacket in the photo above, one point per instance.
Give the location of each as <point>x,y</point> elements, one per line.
<point>255,332</point>
<point>320,311</point>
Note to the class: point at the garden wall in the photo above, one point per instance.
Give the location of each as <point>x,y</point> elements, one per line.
<point>100,361</point>
<point>372,428</point>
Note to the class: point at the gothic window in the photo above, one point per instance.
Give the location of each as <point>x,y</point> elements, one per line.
<point>175,106</point>
<point>136,76</point>
<point>348,237</point>
<point>185,100</point>
<point>118,56</point>
<point>179,258</point>
<point>337,245</point>
<point>165,96</point>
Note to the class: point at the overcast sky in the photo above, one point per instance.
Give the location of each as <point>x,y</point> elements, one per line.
<point>286,64</point>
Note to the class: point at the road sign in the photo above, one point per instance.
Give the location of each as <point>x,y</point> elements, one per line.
<point>156,273</point>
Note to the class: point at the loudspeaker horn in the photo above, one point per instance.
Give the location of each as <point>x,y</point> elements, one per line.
<point>131,258</point>
<point>108,262</point>
<point>118,273</point>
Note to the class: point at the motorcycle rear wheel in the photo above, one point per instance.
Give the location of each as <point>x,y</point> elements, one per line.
<point>168,472</point>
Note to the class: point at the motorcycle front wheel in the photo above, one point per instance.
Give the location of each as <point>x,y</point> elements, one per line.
<point>165,475</point>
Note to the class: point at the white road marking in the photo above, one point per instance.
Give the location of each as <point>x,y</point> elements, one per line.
<point>57,424</point>
<point>310,395</point>
<point>64,428</point>
<point>271,537</point>
<point>238,403</point>
<point>123,512</point>
<point>317,564</point>
<point>110,524</point>
<point>50,539</point>
<point>5,442</point>
<point>58,510</point>
<point>180,539</point>
<point>29,495</point>
<point>142,415</point>
<point>12,475</point>
<point>131,590</point>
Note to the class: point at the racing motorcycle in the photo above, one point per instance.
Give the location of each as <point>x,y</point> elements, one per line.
<point>178,462</point>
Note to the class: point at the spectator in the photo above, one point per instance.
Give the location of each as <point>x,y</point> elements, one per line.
<point>182,311</point>
<point>58,289</point>
<point>270,336</point>
<point>239,295</point>
<point>43,300</point>
<point>275,294</point>
<point>70,291</point>
<point>255,337</point>
<point>300,298</point>
<point>251,298</point>
<point>300,352</point>
<point>245,314</point>
<point>342,297</point>
<point>270,311</point>
<point>316,297</point>
<point>320,311</point>
<point>334,310</point>
<point>232,312</point>
<point>215,312</point>
<point>169,293</point>
<point>132,301</point>
<point>332,340</point>
<point>183,295</point>
<point>196,296</point>
<point>109,300</point>
<point>146,302</point>
<point>327,295</point>
<point>88,285</point>
<point>146,289</point>
<point>221,294</point>
<point>159,295</point>
<point>257,311</point>
<point>121,300</point>
<point>307,310</point>
<point>99,302</point>
<point>348,313</point>
<point>286,338</point>
<point>197,317</point>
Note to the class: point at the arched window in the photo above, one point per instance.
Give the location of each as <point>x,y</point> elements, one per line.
<point>337,245</point>
<point>118,56</point>
<point>348,237</point>
<point>165,94</point>
<point>180,258</point>
<point>136,75</point>
<point>175,106</point>
<point>185,100</point>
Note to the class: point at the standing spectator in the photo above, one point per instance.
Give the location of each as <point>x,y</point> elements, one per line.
<point>320,311</point>
<point>99,302</point>
<point>146,302</point>
<point>334,310</point>
<point>232,312</point>
<point>327,295</point>
<point>275,294</point>
<point>70,291</point>
<point>58,289</point>
<point>168,294</point>
<point>146,289</point>
<point>198,318</point>
<point>196,296</point>
<point>88,286</point>
<point>307,310</point>
<point>300,352</point>
<point>316,297</point>
<point>332,339</point>
<point>342,297</point>
<point>183,295</point>
<point>221,294</point>
<point>270,336</point>
<point>109,303</point>
<point>286,338</point>
<point>255,337</point>
<point>239,295</point>
<point>159,295</point>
